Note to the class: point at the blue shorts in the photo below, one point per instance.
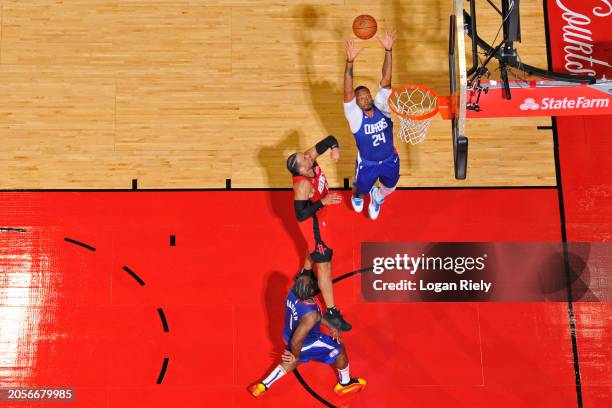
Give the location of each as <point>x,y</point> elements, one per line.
<point>324,350</point>
<point>367,172</point>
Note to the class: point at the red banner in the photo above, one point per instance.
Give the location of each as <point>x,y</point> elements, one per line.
<point>542,98</point>
<point>580,36</point>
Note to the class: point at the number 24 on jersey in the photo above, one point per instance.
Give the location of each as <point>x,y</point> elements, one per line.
<point>377,138</point>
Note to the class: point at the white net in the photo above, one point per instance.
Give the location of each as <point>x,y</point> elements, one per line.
<point>411,103</point>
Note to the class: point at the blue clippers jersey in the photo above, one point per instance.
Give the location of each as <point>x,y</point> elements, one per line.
<point>375,137</point>
<point>294,310</point>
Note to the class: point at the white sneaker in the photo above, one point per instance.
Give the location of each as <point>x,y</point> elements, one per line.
<point>357,203</point>
<point>374,207</point>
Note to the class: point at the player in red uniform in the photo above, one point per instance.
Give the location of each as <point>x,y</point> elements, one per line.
<point>311,197</point>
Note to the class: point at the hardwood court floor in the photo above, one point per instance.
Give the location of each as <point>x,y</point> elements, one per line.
<point>189,93</point>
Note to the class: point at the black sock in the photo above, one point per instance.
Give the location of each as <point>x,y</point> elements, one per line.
<point>304,270</point>
<point>331,310</point>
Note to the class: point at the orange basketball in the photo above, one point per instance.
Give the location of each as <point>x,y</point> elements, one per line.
<point>365,26</point>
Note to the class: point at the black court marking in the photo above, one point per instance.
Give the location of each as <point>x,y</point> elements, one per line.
<point>228,184</point>
<point>349,274</point>
<point>203,189</point>
<point>160,311</point>
<point>75,242</point>
<point>134,184</point>
<point>312,392</point>
<point>570,296</point>
<point>13,229</point>
<point>172,240</point>
<point>133,275</point>
<point>162,316</point>
<point>544,127</point>
<point>297,374</point>
<point>162,373</point>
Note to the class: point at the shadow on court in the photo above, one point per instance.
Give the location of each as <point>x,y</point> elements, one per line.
<point>273,159</point>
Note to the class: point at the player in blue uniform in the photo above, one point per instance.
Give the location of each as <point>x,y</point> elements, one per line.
<point>305,342</point>
<point>370,122</point>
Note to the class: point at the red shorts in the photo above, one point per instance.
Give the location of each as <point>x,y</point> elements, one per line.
<point>315,231</point>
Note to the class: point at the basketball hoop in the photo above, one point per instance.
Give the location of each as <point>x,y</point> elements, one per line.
<point>416,105</point>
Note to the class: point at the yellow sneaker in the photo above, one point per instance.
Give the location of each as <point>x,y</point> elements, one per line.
<point>257,390</point>
<point>355,385</point>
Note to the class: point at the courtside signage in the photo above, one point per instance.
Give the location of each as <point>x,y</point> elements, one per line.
<point>565,103</point>
<point>581,29</point>
<point>543,99</point>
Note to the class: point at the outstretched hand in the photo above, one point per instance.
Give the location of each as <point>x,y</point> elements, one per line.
<point>288,357</point>
<point>351,50</point>
<point>331,199</point>
<point>387,39</point>
<point>335,334</point>
<point>335,153</point>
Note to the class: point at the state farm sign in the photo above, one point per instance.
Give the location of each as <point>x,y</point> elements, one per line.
<point>565,103</point>
<point>543,98</point>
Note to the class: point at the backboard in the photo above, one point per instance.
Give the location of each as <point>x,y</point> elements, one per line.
<point>458,87</point>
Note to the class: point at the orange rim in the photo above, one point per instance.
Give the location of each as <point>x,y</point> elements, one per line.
<point>414,117</point>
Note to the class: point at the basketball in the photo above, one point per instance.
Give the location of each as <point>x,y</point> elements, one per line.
<point>365,26</point>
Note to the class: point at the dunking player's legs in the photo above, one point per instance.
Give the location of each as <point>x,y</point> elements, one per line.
<point>357,197</point>
<point>356,194</point>
<point>388,175</point>
<point>365,177</point>
<point>382,192</point>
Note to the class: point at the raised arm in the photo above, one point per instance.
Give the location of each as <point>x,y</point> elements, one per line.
<point>330,142</point>
<point>387,42</point>
<point>351,54</point>
<point>307,322</point>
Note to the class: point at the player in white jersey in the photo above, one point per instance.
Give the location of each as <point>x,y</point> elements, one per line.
<point>370,123</point>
